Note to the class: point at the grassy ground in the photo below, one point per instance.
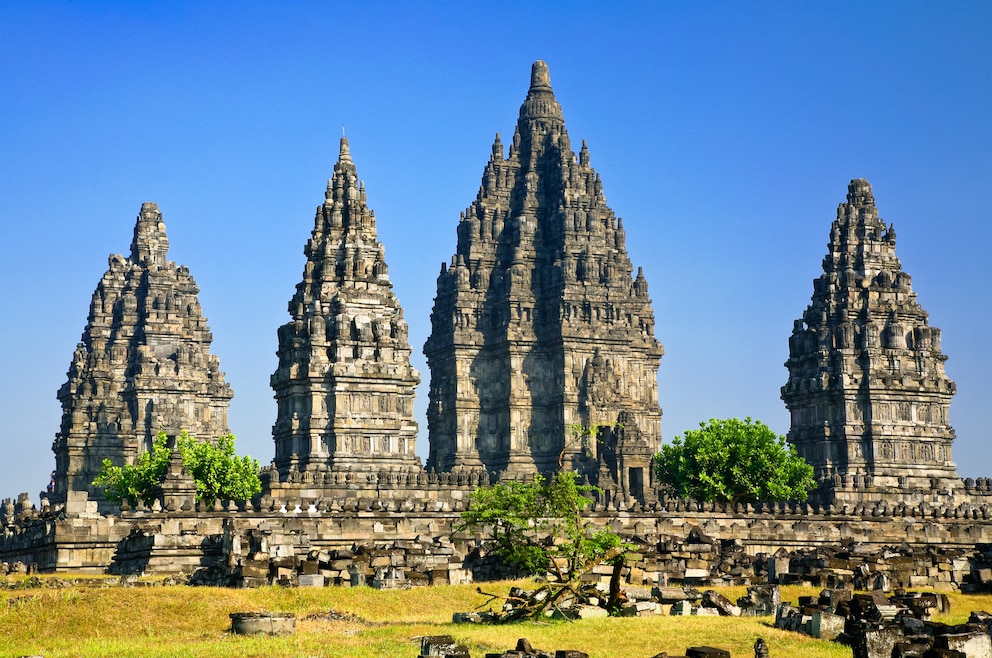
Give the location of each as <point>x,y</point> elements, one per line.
<point>358,623</point>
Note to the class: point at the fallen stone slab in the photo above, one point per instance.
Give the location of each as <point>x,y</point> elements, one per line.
<point>976,644</point>
<point>713,599</point>
<point>706,652</point>
<point>443,646</point>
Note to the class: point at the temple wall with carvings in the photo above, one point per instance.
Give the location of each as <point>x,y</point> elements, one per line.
<point>160,542</point>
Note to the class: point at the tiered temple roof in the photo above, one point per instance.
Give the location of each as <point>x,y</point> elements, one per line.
<point>344,384</point>
<point>143,365</point>
<point>867,389</point>
<point>540,329</point>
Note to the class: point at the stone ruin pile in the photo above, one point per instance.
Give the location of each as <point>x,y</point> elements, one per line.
<point>433,646</point>
<point>591,601</point>
<point>863,567</point>
<point>683,564</point>
<point>256,558</point>
<point>879,626</point>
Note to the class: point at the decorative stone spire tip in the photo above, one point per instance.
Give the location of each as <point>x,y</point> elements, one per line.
<point>345,151</point>
<point>150,244</point>
<point>859,191</point>
<point>540,77</point>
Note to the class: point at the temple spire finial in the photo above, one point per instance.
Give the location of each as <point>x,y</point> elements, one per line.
<point>150,244</point>
<point>540,77</point>
<point>345,151</point>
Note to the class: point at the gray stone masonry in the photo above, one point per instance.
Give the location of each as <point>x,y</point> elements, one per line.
<point>344,385</point>
<point>693,544</point>
<point>867,390</point>
<point>143,365</point>
<point>540,329</point>
<point>878,626</point>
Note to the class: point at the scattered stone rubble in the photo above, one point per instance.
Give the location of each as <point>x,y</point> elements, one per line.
<point>256,557</point>
<point>864,567</point>
<point>880,626</point>
<point>445,645</point>
<point>592,601</point>
<point>249,555</point>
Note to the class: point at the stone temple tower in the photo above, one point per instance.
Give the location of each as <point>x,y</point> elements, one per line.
<point>540,329</point>
<point>867,390</point>
<point>143,366</point>
<point>344,384</point>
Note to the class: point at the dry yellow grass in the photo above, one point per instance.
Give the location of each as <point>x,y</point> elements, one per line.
<point>186,621</point>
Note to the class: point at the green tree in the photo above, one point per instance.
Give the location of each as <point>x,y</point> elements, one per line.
<point>733,460</point>
<point>519,516</point>
<point>216,469</point>
<point>135,481</point>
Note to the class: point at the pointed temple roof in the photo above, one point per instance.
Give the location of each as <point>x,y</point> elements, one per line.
<point>344,384</point>
<point>539,280</point>
<point>867,389</point>
<point>143,364</point>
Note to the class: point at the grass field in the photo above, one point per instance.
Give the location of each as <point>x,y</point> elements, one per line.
<point>359,623</point>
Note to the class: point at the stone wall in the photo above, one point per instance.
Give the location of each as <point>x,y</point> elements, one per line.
<point>738,541</point>
<point>66,538</point>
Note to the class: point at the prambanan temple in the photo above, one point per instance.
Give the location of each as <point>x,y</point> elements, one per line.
<point>867,390</point>
<point>539,326</point>
<point>542,356</point>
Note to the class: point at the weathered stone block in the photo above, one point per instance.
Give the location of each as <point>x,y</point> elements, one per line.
<point>975,645</point>
<point>876,643</point>
<point>668,594</point>
<point>706,652</point>
<point>443,646</point>
<point>826,625</point>
<point>254,569</point>
<point>713,599</point>
<point>310,580</point>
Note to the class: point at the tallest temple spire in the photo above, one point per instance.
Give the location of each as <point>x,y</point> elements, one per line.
<point>539,329</point>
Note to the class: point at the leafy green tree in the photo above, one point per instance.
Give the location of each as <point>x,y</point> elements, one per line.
<point>216,469</point>
<point>518,516</point>
<point>135,481</point>
<point>732,461</point>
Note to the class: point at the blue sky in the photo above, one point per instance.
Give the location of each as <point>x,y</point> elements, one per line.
<point>725,134</point>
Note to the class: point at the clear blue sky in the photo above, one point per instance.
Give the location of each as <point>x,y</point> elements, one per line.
<point>725,134</point>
